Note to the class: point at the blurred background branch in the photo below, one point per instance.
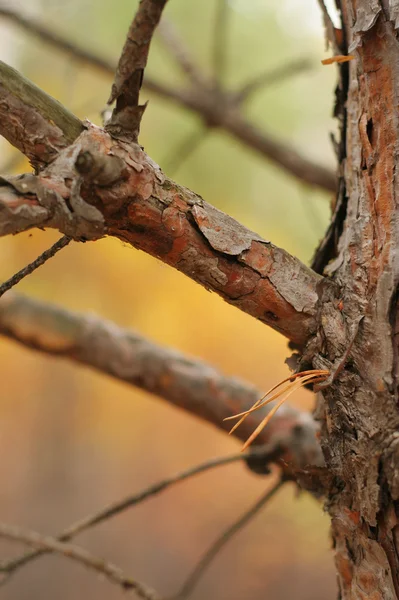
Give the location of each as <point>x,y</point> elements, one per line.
<point>227,535</point>
<point>216,108</point>
<point>185,382</point>
<point>9,567</point>
<point>75,553</point>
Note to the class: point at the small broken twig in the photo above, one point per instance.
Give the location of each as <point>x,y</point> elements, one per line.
<point>127,114</point>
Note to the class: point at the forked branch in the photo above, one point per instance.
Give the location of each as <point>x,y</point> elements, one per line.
<point>216,110</point>
<point>127,196</point>
<point>112,510</point>
<point>80,555</point>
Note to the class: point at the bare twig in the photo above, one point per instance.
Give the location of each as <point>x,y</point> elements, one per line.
<point>80,555</point>
<point>277,75</point>
<point>173,42</point>
<point>226,536</point>
<point>38,262</point>
<point>217,110</point>
<point>127,114</point>
<point>116,508</point>
<point>185,149</point>
<point>220,41</point>
<point>56,40</point>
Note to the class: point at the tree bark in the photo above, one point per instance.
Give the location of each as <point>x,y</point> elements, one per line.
<point>356,335</point>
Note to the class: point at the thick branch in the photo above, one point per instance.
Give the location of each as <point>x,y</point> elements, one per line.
<point>215,109</point>
<point>80,555</point>
<point>152,213</point>
<point>184,382</point>
<point>126,117</point>
<point>32,121</point>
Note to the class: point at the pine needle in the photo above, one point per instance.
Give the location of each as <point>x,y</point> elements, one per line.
<point>304,377</point>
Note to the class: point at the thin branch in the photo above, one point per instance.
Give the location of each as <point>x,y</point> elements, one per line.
<point>116,508</point>
<point>226,116</point>
<point>220,41</point>
<point>38,262</point>
<point>272,77</point>
<point>183,381</point>
<point>207,104</point>
<point>57,41</point>
<point>184,151</point>
<point>48,544</point>
<point>127,114</point>
<point>180,52</point>
<point>221,542</point>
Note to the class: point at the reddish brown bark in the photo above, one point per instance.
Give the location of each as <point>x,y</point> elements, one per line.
<point>121,192</point>
<point>359,411</point>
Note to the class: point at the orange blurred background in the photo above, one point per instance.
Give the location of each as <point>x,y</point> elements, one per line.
<point>72,440</point>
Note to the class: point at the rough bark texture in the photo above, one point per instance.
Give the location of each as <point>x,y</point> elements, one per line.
<point>359,411</point>
<point>101,186</point>
<point>127,114</point>
<point>345,321</point>
<point>183,381</point>
<point>38,128</point>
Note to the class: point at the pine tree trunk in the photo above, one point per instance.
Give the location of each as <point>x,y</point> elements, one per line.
<point>358,324</point>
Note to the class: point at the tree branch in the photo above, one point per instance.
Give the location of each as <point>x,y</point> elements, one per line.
<point>220,111</point>
<point>77,554</point>
<point>184,382</point>
<point>154,214</point>
<point>175,45</point>
<point>38,262</point>
<point>127,114</point>
<point>220,41</point>
<point>100,186</point>
<point>209,556</point>
<point>216,110</point>
<point>11,566</point>
<point>271,77</point>
<point>32,121</point>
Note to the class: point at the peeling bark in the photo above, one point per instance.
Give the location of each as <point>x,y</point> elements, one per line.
<point>37,125</point>
<point>100,186</point>
<point>359,411</point>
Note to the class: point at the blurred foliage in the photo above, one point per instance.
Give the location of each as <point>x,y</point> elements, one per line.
<point>72,440</point>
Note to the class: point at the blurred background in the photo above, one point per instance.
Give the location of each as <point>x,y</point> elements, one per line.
<point>71,440</point>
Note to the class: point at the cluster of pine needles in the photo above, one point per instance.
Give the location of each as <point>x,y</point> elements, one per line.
<point>281,391</point>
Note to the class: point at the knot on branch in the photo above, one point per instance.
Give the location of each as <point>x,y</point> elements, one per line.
<point>100,169</point>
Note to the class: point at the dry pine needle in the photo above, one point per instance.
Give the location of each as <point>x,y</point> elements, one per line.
<point>281,392</point>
